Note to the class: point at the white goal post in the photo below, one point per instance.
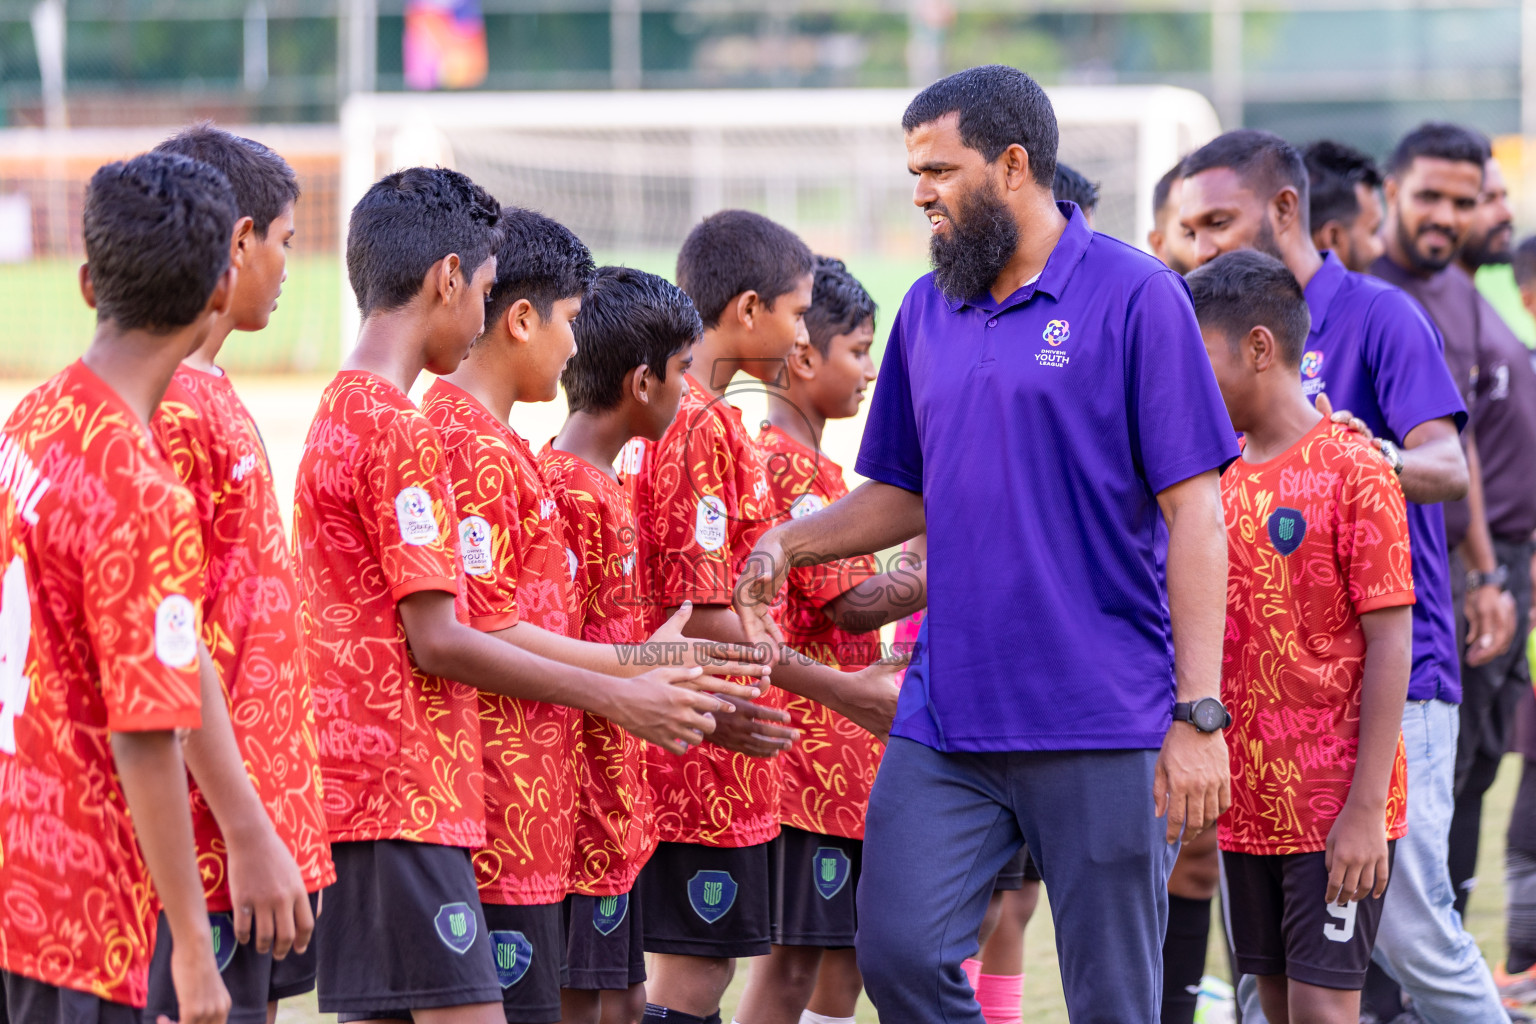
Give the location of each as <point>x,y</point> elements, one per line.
<point>632,172</point>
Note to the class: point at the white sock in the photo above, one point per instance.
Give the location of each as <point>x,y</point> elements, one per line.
<point>820,1018</point>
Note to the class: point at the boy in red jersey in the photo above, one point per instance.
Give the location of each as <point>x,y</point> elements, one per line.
<point>250,595</point>
<point>829,614</point>
<point>702,498</point>
<point>102,666</point>
<point>396,665</point>
<point>635,340</point>
<point>1317,657</point>
<point>518,572</point>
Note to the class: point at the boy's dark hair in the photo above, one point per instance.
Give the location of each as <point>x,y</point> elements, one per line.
<point>628,318</point>
<point>1440,140</point>
<point>1524,261</point>
<point>839,303</point>
<point>736,251</point>
<point>157,231</point>
<point>1241,290</point>
<point>1333,172</point>
<point>1071,185</point>
<point>409,220</point>
<point>998,107</point>
<point>539,260</point>
<point>1262,159</point>
<point>262,181</point>
<point>1163,187</point>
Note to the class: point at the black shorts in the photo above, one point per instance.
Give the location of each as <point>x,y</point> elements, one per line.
<point>812,881</point>
<point>294,974</point>
<point>709,901</point>
<point>1016,872</point>
<point>402,928</point>
<point>29,1001</point>
<point>529,944</point>
<point>605,942</point>
<point>252,978</point>
<point>1281,924</point>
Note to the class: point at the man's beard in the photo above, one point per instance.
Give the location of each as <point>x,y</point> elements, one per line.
<point>1265,242</point>
<point>1491,248</point>
<point>1421,263</point>
<point>981,239</point>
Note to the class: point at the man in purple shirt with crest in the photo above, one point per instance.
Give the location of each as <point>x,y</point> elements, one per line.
<point>1374,353</point>
<point>1046,411</point>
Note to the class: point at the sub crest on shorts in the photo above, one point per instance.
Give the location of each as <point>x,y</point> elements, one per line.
<point>711,894</point>
<point>608,912</point>
<point>514,955</point>
<point>456,926</point>
<point>224,944</point>
<point>829,870</point>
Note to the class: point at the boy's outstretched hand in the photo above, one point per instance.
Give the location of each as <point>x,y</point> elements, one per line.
<point>761,579</point>
<point>716,658</point>
<point>871,694</point>
<point>1356,854</point>
<point>662,708</point>
<point>755,730</point>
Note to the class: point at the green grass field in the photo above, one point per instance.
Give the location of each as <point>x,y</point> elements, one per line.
<point>48,324</point>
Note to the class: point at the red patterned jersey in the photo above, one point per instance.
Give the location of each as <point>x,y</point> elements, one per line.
<point>702,498</point>
<point>373,522</point>
<point>250,622</point>
<point>831,767</point>
<point>1316,537</point>
<point>108,539</point>
<point>616,827</point>
<point>517,567</point>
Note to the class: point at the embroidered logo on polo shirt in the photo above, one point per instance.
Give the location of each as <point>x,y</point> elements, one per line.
<point>1311,364</point>
<point>1056,332</point>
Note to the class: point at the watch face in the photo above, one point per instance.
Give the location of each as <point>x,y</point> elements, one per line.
<point>1209,715</point>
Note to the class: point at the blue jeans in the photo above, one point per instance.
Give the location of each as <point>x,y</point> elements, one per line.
<point>1422,944</point>
<point>941,826</point>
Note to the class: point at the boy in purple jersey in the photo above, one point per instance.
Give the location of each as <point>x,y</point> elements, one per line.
<point>1374,353</point>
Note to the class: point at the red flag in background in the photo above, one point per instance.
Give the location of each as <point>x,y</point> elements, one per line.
<point>444,44</point>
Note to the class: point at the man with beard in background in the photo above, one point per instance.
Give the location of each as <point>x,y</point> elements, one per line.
<point>1062,676</point>
<point>1373,352</point>
<point>1345,203</point>
<point>1167,240</point>
<point>1448,214</point>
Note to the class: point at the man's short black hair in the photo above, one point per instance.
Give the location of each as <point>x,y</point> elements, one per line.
<point>839,303</point>
<point>157,231</point>
<point>1440,140</point>
<point>1164,188</point>
<point>264,184</point>
<point>1524,262</point>
<point>1334,170</point>
<point>737,251</point>
<point>1265,161</point>
<point>998,107</point>
<point>1071,185</point>
<point>540,260</point>
<point>1241,290</point>
<point>628,318</point>
<point>409,220</point>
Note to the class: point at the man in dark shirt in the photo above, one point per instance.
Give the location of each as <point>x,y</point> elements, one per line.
<point>1345,203</point>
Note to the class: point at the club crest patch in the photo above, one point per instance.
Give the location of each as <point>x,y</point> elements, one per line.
<point>608,912</point>
<point>1311,364</point>
<point>514,955</point>
<point>413,510</point>
<point>712,894</point>
<point>806,504</point>
<point>1286,529</point>
<point>176,631</point>
<point>709,523</point>
<point>456,926</point>
<point>829,870</point>
<point>475,545</point>
<point>224,943</point>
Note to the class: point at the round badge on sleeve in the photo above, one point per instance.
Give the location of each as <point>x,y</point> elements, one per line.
<point>176,631</point>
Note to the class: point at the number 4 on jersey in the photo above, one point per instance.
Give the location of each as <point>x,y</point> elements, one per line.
<point>15,639</point>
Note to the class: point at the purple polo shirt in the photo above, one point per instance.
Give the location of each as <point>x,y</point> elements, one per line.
<point>1039,431</point>
<point>1375,353</point>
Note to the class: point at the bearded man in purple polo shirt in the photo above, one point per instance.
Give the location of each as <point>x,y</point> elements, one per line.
<point>1046,411</point>
<point>1373,352</point>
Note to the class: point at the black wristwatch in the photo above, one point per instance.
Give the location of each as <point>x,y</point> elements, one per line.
<point>1498,578</point>
<point>1206,714</point>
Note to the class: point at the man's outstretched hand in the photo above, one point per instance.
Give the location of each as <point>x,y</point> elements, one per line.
<point>761,579</point>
